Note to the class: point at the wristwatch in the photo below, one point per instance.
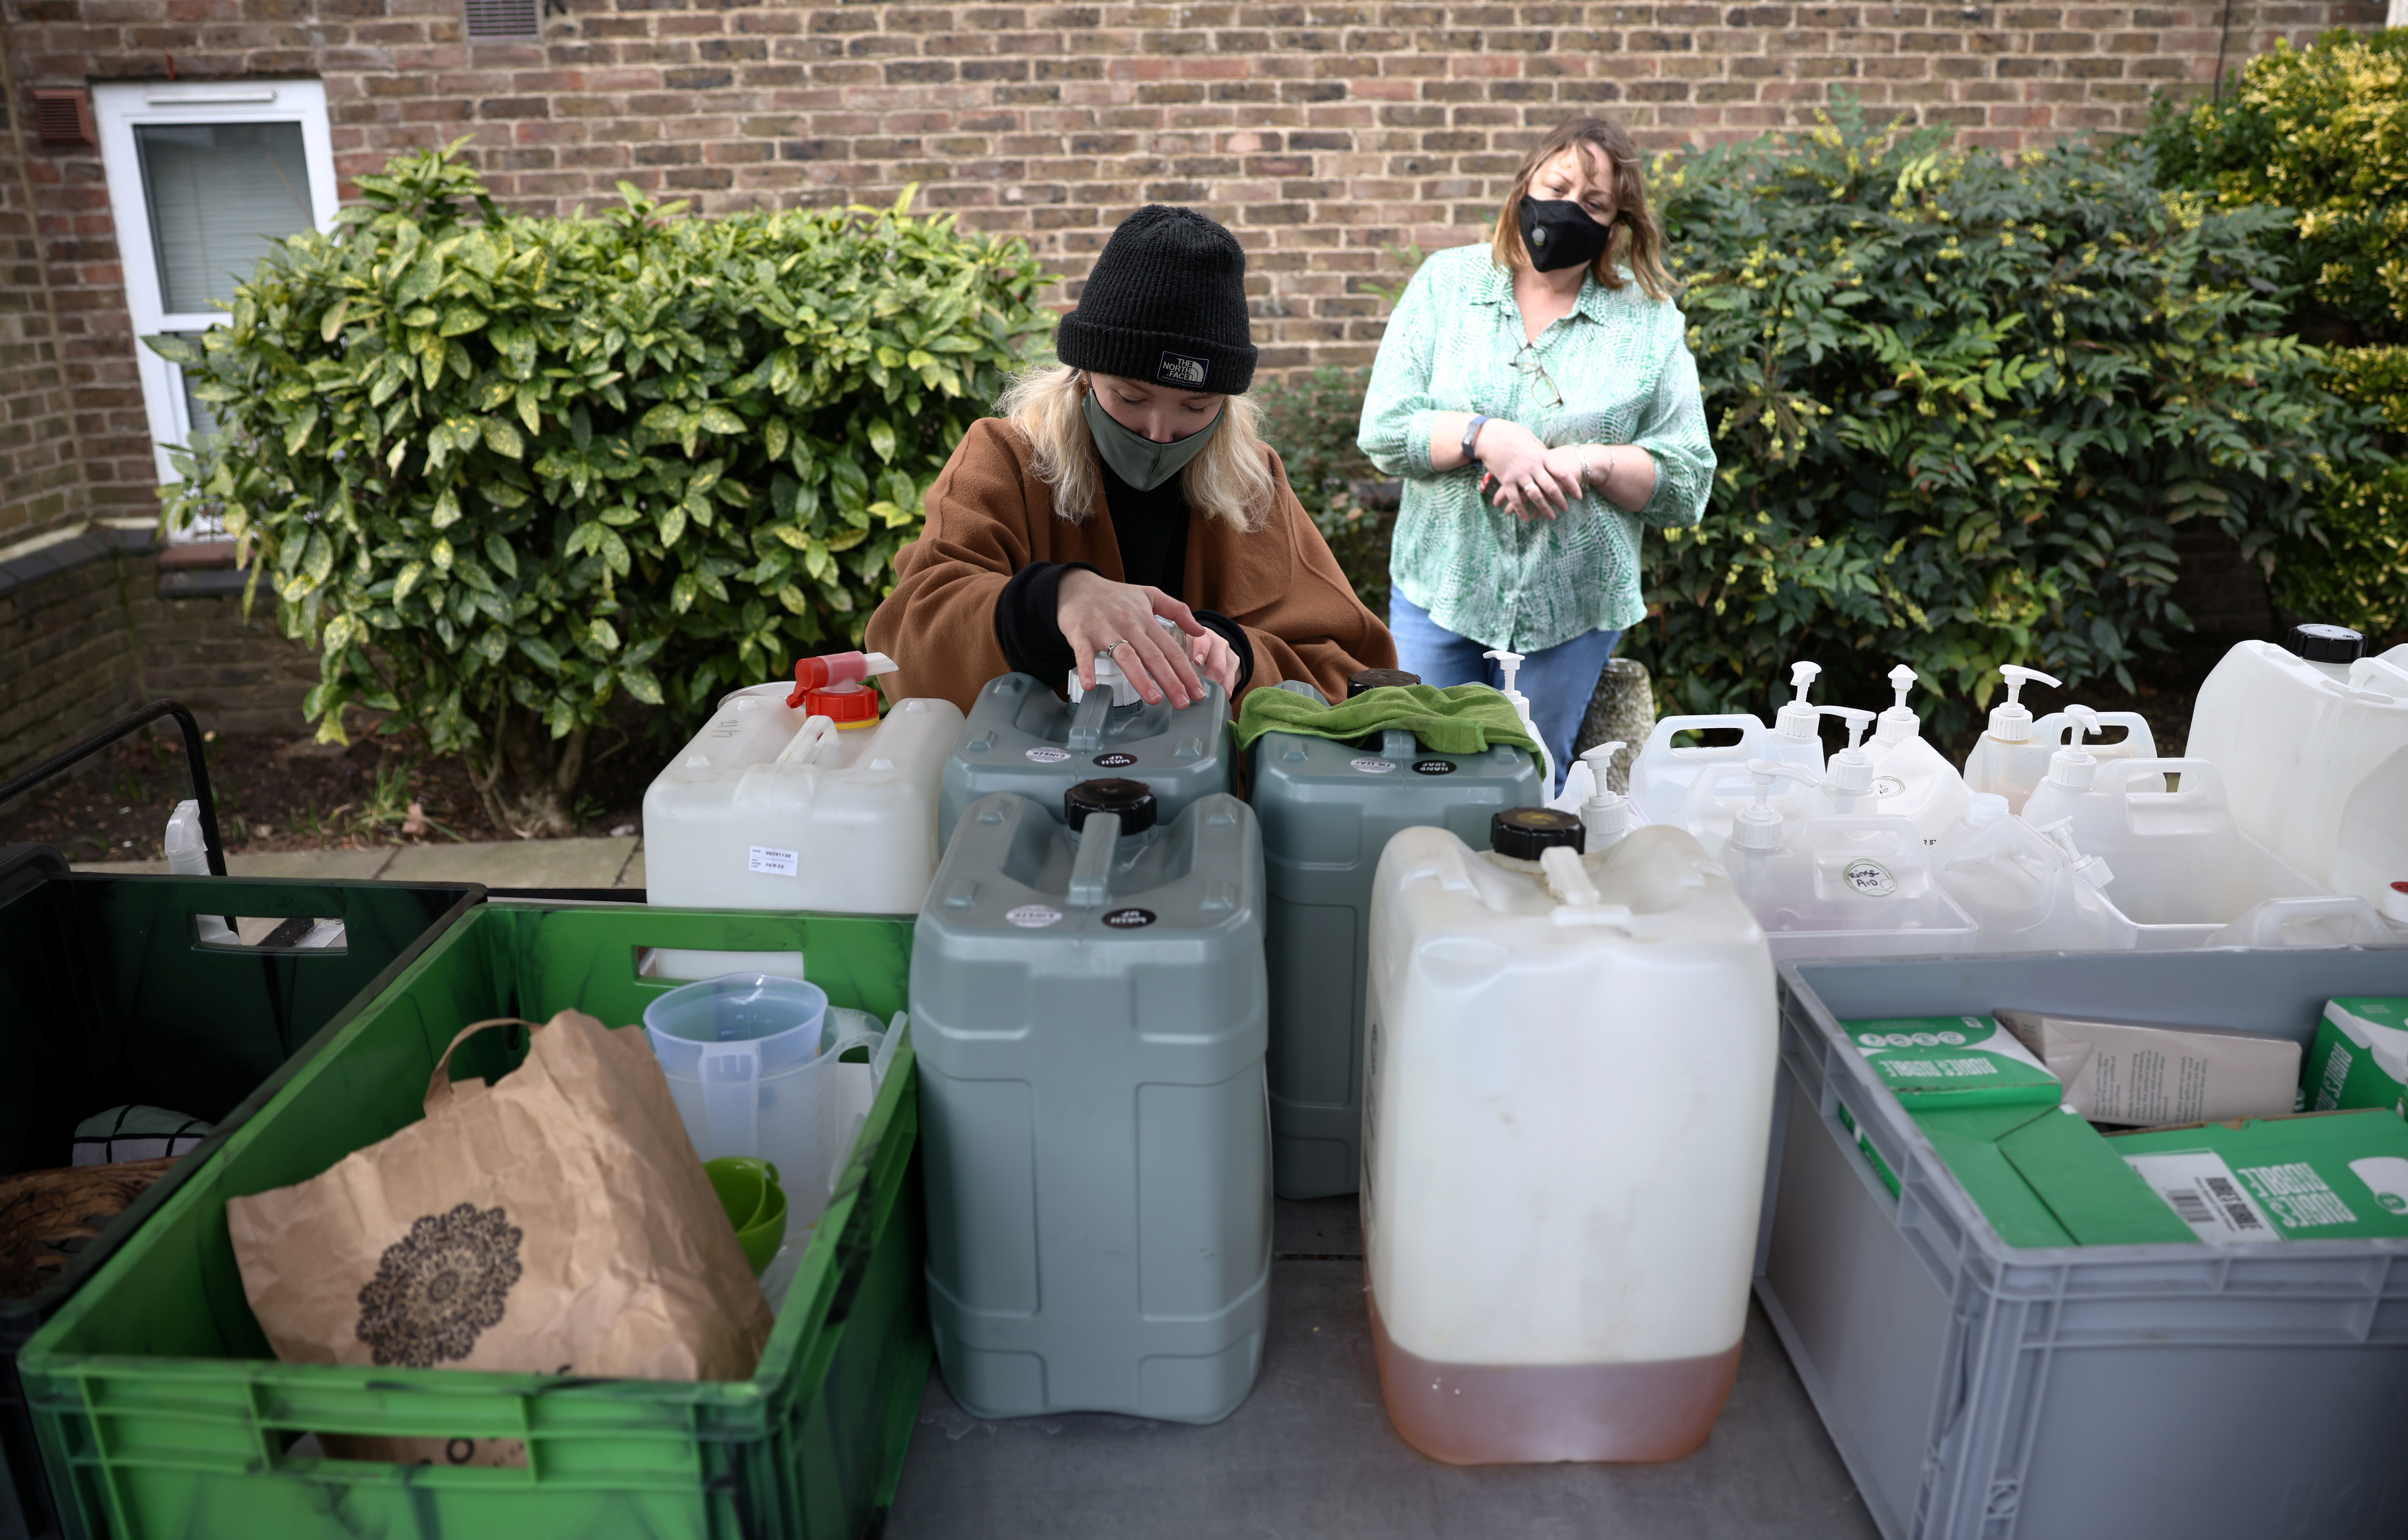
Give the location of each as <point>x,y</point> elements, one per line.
<point>1471,433</point>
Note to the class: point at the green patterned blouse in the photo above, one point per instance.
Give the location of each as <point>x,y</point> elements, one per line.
<point>1616,370</point>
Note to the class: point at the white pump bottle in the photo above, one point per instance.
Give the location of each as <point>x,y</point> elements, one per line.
<point>1510,663</point>
<point>2007,760</point>
<point>1607,813</point>
<point>1796,733</point>
<point>1910,778</point>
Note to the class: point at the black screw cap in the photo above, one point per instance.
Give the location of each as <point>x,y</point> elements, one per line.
<point>1133,800</point>
<point>2326,643</point>
<point>1376,678</point>
<point>1522,832</point>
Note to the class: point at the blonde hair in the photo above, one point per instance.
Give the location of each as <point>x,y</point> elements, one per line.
<point>1230,477</point>
<point>1637,241</point>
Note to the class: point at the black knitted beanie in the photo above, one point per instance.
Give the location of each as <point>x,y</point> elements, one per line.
<point>1166,304</point>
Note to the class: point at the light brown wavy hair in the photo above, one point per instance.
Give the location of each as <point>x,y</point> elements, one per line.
<point>1230,477</point>
<point>1637,242</point>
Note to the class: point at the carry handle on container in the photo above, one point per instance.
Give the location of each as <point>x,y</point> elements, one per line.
<point>1091,873</point>
<point>2264,926</point>
<point>1090,716</point>
<point>194,763</point>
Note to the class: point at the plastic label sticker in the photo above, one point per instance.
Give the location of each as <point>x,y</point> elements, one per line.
<point>775,863</point>
<point>1433,767</point>
<point>1033,917</point>
<point>2200,1187</point>
<point>1370,767</point>
<point>1869,877</point>
<point>1129,920</point>
<point>1115,760</point>
<point>1887,786</point>
<point>1049,756</point>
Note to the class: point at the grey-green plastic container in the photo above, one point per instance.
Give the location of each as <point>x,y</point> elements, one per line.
<point>1022,737</point>
<point>1327,809</point>
<point>1089,1019</point>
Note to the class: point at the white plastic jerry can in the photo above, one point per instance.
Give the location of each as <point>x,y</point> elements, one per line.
<point>1912,779</point>
<point>1662,772</point>
<point>2027,891</point>
<point>800,796</point>
<point>1570,1064</point>
<point>1839,884</point>
<point>2295,732</point>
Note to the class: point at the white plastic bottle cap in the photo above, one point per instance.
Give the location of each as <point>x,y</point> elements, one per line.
<point>1797,717</point>
<point>2074,767</point>
<point>2011,721</point>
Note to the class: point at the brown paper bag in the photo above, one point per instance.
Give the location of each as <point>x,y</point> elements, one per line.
<point>556,1221</point>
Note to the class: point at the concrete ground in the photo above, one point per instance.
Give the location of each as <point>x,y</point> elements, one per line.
<point>599,862</point>
<point>1311,1452</point>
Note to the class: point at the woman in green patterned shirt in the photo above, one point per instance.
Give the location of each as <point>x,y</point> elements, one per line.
<point>1538,396</point>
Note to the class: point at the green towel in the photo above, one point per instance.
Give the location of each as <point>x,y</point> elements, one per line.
<point>1464,719</point>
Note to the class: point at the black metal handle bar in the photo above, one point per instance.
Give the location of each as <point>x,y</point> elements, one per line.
<point>194,762</point>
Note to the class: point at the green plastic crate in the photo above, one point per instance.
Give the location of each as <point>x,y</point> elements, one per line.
<point>106,998</point>
<point>162,1411</point>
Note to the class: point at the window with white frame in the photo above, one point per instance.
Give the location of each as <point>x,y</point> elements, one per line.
<point>203,177</point>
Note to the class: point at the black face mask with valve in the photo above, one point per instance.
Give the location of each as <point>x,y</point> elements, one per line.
<point>1560,234</point>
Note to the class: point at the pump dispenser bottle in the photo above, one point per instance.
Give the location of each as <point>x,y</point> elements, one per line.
<point>1797,736</point>
<point>1510,663</point>
<point>1910,778</point>
<point>1848,779</point>
<point>2006,759</point>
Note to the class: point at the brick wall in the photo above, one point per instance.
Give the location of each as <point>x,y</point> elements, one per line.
<point>72,661</point>
<point>1323,132</point>
<point>41,477</point>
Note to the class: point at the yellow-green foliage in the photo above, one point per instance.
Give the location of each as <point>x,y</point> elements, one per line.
<point>2356,570</point>
<point>2323,129</point>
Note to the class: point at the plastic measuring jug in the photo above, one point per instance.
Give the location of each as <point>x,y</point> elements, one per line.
<point>778,804</point>
<point>1570,1059</point>
<point>1839,884</point>
<point>2296,736</point>
<point>753,1064</point>
<point>1910,780</point>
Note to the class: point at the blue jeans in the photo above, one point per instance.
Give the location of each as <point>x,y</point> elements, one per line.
<point>1558,680</point>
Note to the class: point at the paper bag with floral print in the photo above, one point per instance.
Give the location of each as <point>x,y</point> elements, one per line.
<point>556,1221</point>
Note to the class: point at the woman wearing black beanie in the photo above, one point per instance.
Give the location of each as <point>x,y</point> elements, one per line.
<point>1126,482</point>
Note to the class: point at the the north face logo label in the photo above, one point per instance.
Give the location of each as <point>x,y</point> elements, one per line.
<point>1181,369</point>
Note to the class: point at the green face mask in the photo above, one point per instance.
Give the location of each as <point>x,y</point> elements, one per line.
<point>1139,459</point>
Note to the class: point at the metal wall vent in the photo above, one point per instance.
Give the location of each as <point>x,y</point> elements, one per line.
<point>505,18</point>
<point>63,117</point>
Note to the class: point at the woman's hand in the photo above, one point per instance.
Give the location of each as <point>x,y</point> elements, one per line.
<point>1098,615</point>
<point>1531,479</point>
<point>1215,659</point>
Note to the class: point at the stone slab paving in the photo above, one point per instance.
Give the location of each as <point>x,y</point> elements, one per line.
<point>615,862</point>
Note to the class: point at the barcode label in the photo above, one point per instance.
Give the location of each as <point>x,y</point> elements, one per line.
<point>2202,1192</point>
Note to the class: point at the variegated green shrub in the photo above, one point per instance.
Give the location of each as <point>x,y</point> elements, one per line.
<point>501,470</point>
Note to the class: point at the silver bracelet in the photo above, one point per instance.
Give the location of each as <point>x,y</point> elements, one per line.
<point>1587,478</point>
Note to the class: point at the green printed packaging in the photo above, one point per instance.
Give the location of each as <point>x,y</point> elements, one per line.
<point>1952,1060</point>
<point>2359,1058</point>
<point>1967,1140</point>
<point>2321,1175</point>
<point>2075,1171</point>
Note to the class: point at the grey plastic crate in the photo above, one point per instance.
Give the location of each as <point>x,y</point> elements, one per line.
<point>1022,737</point>
<point>1327,809</point>
<point>1089,1020</point>
<point>1976,1390</point>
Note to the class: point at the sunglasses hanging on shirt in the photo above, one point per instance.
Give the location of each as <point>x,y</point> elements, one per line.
<point>1560,234</point>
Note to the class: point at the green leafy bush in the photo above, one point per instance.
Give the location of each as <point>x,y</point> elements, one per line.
<point>1960,406</point>
<point>1312,419</point>
<point>504,472</point>
<point>2322,131</point>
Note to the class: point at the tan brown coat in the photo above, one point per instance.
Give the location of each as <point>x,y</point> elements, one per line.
<point>989,515</point>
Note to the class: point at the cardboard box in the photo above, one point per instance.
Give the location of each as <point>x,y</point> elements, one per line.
<point>2043,1177</point>
<point>1952,1060</point>
<point>2117,1072</point>
<point>2359,1058</point>
<point>2321,1175</point>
